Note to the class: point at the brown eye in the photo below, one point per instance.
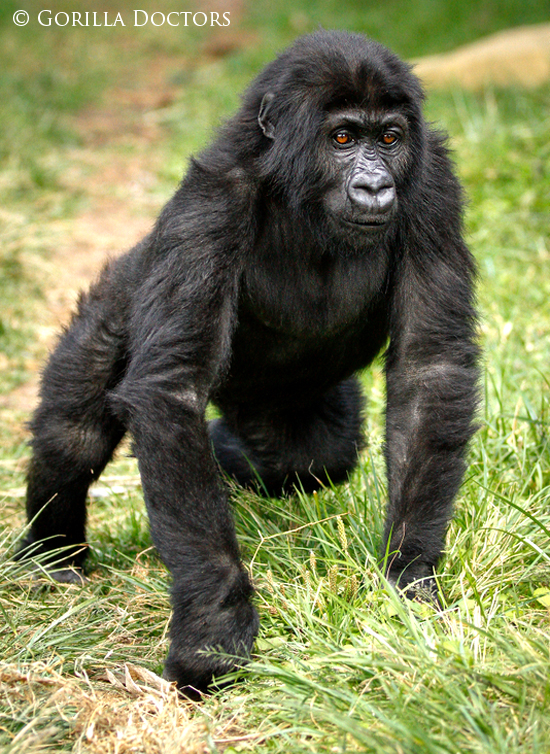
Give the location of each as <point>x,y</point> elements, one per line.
<point>342,138</point>
<point>389,138</point>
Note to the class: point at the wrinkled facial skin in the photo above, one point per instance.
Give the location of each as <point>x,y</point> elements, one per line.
<point>365,155</point>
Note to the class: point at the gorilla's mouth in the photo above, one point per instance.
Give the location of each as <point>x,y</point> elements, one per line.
<point>367,224</point>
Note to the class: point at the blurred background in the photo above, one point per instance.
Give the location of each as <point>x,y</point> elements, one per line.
<point>97,123</point>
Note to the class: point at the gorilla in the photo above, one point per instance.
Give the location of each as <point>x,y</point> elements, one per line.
<point>323,225</point>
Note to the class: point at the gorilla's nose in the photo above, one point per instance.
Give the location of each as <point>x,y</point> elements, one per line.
<point>372,192</point>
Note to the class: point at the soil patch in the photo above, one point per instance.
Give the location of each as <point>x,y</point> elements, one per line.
<point>514,57</point>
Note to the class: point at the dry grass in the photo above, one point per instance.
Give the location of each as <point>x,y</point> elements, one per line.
<point>137,711</point>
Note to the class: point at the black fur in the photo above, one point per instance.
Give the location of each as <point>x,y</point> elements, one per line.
<point>324,221</point>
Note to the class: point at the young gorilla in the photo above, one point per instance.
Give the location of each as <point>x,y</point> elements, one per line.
<point>324,220</point>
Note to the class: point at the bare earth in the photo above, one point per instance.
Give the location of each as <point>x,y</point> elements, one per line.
<point>120,207</point>
<point>516,56</point>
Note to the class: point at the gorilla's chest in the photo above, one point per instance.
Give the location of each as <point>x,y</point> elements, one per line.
<point>307,301</point>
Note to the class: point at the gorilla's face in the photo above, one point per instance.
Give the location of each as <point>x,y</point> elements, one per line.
<point>364,154</point>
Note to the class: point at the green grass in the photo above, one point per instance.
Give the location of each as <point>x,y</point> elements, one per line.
<point>342,664</point>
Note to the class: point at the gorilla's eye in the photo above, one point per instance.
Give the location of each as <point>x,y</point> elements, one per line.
<point>389,138</point>
<point>343,138</point>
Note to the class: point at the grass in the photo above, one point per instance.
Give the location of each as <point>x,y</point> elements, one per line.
<point>342,664</point>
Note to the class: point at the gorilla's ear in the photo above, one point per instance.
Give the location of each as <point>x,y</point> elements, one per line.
<point>266,124</point>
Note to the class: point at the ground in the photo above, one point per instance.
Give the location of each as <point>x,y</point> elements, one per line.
<point>342,665</point>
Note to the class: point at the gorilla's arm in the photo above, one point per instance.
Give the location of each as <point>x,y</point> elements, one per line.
<point>432,390</point>
<point>180,343</point>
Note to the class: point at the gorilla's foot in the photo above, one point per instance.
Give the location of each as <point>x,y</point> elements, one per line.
<point>59,562</point>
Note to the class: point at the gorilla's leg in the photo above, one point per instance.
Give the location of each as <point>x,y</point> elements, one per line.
<point>306,446</point>
<point>74,435</point>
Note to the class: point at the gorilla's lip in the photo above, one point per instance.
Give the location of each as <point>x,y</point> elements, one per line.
<point>367,224</point>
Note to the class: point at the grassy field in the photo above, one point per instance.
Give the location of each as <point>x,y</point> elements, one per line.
<point>342,665</point>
